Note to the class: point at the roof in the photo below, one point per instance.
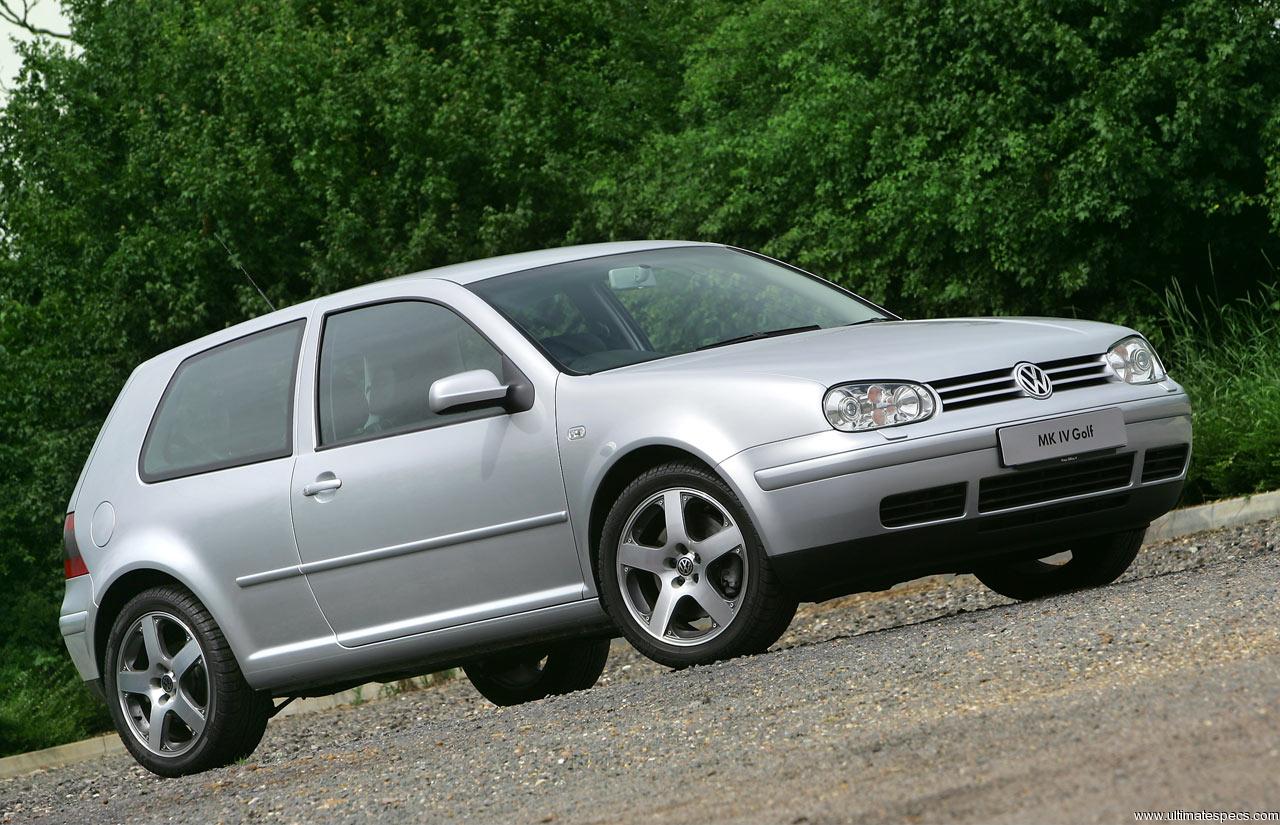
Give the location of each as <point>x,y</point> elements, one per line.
<point>472,271</point>
<point>463,273</point>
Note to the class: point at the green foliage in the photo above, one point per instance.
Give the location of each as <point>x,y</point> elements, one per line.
<point>977,155</point>
<point>317,144</point>
<point>44,703</point>
<point>1228,357</point>
<point>941,155</point>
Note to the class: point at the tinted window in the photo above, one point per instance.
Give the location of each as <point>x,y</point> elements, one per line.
<point>621,309</point>
<point>551,315</point>
<point>684,309</point>
<point>226,406</point>
<point>377,365</point>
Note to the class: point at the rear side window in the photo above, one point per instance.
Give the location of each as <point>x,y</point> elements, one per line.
<point>377,365</point>
<point>226,406</point>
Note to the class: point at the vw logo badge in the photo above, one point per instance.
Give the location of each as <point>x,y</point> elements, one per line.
<point>1034,381</point>
<point>684,566</point>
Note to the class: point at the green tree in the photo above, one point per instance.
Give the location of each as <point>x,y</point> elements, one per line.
<point>317,145</point>
<point>978,155</point>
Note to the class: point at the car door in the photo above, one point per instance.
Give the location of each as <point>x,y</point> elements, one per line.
<point>409,521</point>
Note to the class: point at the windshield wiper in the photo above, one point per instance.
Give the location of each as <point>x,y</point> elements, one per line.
<point>875,320</point>
<point>755,336</point>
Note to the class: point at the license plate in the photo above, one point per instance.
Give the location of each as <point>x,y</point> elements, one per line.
<point>1055,438</point>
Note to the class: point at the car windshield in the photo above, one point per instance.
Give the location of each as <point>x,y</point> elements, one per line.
<point>608,312</point>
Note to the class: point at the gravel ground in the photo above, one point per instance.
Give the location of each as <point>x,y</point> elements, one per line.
<point>935,701</point>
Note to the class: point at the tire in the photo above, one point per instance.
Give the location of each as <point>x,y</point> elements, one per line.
<point>699,562</point>
<point>182,669</point>
<point>529,674</point>
<point>1097,562</point>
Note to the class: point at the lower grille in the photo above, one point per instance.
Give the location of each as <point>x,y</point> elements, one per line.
<point>1091,475</point>
<point>1164,462</point>
<point>1042,515</point>
<point>920,506</point>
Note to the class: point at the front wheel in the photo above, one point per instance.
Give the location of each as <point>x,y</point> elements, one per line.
<point>684,573</point>
<point>529,674</point>
<point>1093,563</point>
<point>174,689</point>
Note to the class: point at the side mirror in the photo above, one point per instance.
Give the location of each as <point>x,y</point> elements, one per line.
<point>473,388</point>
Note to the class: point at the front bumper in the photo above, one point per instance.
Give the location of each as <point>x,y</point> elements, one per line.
<point>820,518</point>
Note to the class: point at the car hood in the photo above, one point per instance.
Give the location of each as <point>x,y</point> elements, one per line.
<point>906,350</point>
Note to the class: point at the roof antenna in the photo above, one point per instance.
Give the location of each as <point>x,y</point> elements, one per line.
<point>238,266</point>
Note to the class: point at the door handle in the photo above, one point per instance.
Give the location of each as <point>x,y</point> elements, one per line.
<point>321,486</point>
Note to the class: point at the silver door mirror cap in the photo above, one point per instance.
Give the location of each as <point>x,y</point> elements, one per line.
<point>466,389</point>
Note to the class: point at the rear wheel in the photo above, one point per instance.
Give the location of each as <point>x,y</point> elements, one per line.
<point>684,573</point>
<point>529,674</point>
<point>173,688</point>
<point>1093,563</point>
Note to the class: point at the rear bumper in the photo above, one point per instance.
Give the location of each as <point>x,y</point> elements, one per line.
<point>820,516</point>
<point>73,622</point>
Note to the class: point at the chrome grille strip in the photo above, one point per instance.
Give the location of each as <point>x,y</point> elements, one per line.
<point>959,389</point>
<point>1065,383</point>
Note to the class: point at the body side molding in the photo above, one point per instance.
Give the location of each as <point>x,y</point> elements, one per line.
<point>394,550</point>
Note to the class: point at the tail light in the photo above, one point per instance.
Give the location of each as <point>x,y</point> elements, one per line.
<point>72,561</point>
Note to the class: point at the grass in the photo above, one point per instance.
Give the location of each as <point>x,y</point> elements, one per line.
<point>46,704</point>
<point>400,686</point>
<point>1227,355</point>
<point>392,689</point>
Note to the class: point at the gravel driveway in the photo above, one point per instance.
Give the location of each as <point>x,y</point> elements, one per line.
<point>936,701</point>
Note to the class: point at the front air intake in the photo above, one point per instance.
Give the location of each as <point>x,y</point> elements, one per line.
<point>1075,478</point>
<point>920,506</point>
<point>1164,462</point>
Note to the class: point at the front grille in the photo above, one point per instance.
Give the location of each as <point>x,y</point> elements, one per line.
<point>1090,475</point>
<point>998,385</point>
<point>1041,515</point>
<point>920,506</point>
<point>1164,462</point>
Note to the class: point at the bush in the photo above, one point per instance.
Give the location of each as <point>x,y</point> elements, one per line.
<point>1227,355</point>
<point>977,156</point>
<point>44,703</point>
<point>318,145</point>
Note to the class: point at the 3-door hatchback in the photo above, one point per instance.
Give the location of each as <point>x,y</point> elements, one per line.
<point>504,463</point>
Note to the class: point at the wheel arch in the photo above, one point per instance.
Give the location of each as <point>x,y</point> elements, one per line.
<point>625,469</point>
<point>117,594</point>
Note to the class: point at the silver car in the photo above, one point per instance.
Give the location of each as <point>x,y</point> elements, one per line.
<point>502,464</point>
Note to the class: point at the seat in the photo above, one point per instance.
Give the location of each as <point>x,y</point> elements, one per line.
<point>348,407</point>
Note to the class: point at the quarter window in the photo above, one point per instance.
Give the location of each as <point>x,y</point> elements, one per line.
<point>377,365</point>
<point>226,406</point>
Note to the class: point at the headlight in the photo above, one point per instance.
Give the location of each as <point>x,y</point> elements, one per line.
<point>858,407</point>
<point>1135,362</point>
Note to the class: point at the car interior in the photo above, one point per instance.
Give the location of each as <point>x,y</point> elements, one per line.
<point>378,363</point>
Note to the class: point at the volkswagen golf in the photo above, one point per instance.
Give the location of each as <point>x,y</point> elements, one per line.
<point>501,465</point>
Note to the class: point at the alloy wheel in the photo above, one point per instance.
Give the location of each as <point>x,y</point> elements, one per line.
<point>162,684</point>
<point>682,567</point>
